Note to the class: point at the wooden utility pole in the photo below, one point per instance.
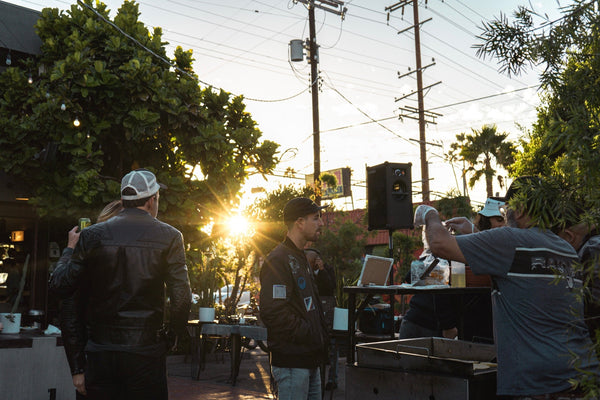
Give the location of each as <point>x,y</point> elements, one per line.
<point>409,112</point>
<point>314,78</point>
<point>422,142</point>
<point>336,7</point>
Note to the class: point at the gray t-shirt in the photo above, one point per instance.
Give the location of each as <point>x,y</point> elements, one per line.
<point>538,318</point>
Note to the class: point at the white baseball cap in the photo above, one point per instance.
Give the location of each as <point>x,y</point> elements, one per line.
<point>492,208</point>
<point>143,182</point>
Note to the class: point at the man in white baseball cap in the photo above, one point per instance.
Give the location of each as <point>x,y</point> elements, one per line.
<point>121,267</point>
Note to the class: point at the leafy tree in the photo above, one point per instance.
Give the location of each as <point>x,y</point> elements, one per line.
<point>267,216</point>
<point>135,110</point>
<point>564,141</point>
<point>405,246</point>
<point>342,245</point>
<point>453,204</point>
<point>481,150</point>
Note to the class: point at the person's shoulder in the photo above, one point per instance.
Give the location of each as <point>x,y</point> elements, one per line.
<point>166,228</point>
<point>277,252</point>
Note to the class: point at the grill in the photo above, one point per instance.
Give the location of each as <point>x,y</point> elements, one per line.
<point>422,368</point>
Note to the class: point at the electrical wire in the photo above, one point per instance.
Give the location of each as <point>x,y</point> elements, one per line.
<point>332,87</point>
<point>80,2</point>
<point>434,108</point>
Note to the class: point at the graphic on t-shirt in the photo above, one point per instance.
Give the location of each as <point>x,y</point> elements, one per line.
<point>279,292</point>
<point>543,262</point>
<point>308,302</point>
<point>301,283</point>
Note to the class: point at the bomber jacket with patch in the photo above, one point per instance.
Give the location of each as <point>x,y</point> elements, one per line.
<point>291,310</point>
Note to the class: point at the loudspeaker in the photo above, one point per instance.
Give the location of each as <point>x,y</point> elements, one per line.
<point>389,196</point>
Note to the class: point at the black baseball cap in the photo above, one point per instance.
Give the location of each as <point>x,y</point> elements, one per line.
<point>300,207</point>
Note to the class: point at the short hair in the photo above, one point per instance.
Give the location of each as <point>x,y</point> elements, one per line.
<point>134,203</point>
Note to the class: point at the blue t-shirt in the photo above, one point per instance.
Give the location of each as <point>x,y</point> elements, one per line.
<point>540,334</point>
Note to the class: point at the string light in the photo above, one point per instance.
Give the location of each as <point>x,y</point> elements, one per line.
<point>63,107</point>
<point>30,79</point>
<point>8,59</point>
<point>76,122</point>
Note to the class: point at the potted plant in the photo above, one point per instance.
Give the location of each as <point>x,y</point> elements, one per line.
<point>205,279</point>
<point>11,322</point>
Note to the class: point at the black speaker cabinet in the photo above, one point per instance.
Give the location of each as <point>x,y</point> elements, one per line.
<point>389,196</point>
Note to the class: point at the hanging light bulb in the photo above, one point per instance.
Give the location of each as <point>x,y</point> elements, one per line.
<point>8,59</point>
<point>76,122</point>
<point>63,107</point>
<point>30,79</point>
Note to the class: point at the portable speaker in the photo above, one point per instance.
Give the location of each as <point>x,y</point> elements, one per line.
<point>389,196</point>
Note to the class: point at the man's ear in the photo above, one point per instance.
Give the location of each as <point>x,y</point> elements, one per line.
<point>568,235</point>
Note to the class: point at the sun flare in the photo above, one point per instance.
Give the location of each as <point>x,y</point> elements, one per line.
<point>238,225</point>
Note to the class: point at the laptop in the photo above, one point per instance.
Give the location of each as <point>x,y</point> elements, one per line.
<point>375,271</point>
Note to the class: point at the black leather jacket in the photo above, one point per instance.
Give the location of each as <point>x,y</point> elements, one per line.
<point>72,324</point>
<point>121,267</point>
<point>291,310</point>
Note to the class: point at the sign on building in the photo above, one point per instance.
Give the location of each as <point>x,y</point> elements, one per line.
<point>343,187</point>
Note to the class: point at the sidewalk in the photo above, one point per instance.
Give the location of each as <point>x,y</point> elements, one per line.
<point>253,381</point>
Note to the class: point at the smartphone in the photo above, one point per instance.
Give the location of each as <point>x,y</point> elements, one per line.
<point>84,223</point>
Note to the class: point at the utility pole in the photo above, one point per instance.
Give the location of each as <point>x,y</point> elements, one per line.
<point>313,58</point>
<point>409,112</point>
<point>314,78</point>
<point>422,144</point>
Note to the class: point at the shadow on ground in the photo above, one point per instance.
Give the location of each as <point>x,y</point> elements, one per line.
<point>253,381</point>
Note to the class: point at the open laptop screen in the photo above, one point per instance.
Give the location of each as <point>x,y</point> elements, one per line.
<point>375,271</point>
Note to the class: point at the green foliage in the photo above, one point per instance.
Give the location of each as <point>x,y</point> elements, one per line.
<point>135,111</point>
<point>206,276</point>
<point>454,205</point>
<point>404,248</point>
<point>267,216</point>
<point>342,245</point>
<point>481,150</point>
<point>329,180</point>
<point>564,142</point>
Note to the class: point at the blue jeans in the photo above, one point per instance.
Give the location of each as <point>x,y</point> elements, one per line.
<point>297,383</point>
<point>333,362</point>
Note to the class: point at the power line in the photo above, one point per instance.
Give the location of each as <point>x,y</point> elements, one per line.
<point>365,114</point>
<point>433,108</point>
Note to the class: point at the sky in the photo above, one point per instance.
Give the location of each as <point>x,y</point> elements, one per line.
<point>242,46</point>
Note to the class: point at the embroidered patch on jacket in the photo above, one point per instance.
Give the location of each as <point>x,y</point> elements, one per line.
<point>279,291</point>
<point>294,264</point>
<point>308,303</point>
<point>301,283</point>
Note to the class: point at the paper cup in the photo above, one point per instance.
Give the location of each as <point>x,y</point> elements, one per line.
<point>206,314</point>
<point>10,327</point>
<point>340,319</point>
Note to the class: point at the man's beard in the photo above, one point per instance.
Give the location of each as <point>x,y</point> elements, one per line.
<point>510,219</point>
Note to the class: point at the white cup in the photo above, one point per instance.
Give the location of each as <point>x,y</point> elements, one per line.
<point>340,319</point>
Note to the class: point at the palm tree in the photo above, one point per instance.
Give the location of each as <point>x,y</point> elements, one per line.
<point>479,149</point>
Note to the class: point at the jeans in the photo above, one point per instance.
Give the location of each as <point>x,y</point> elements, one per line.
<point>114,375</point>
<point>333,362</point>
<point>297,383</point>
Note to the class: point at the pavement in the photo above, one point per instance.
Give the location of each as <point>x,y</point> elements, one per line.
<point>253,381</point>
